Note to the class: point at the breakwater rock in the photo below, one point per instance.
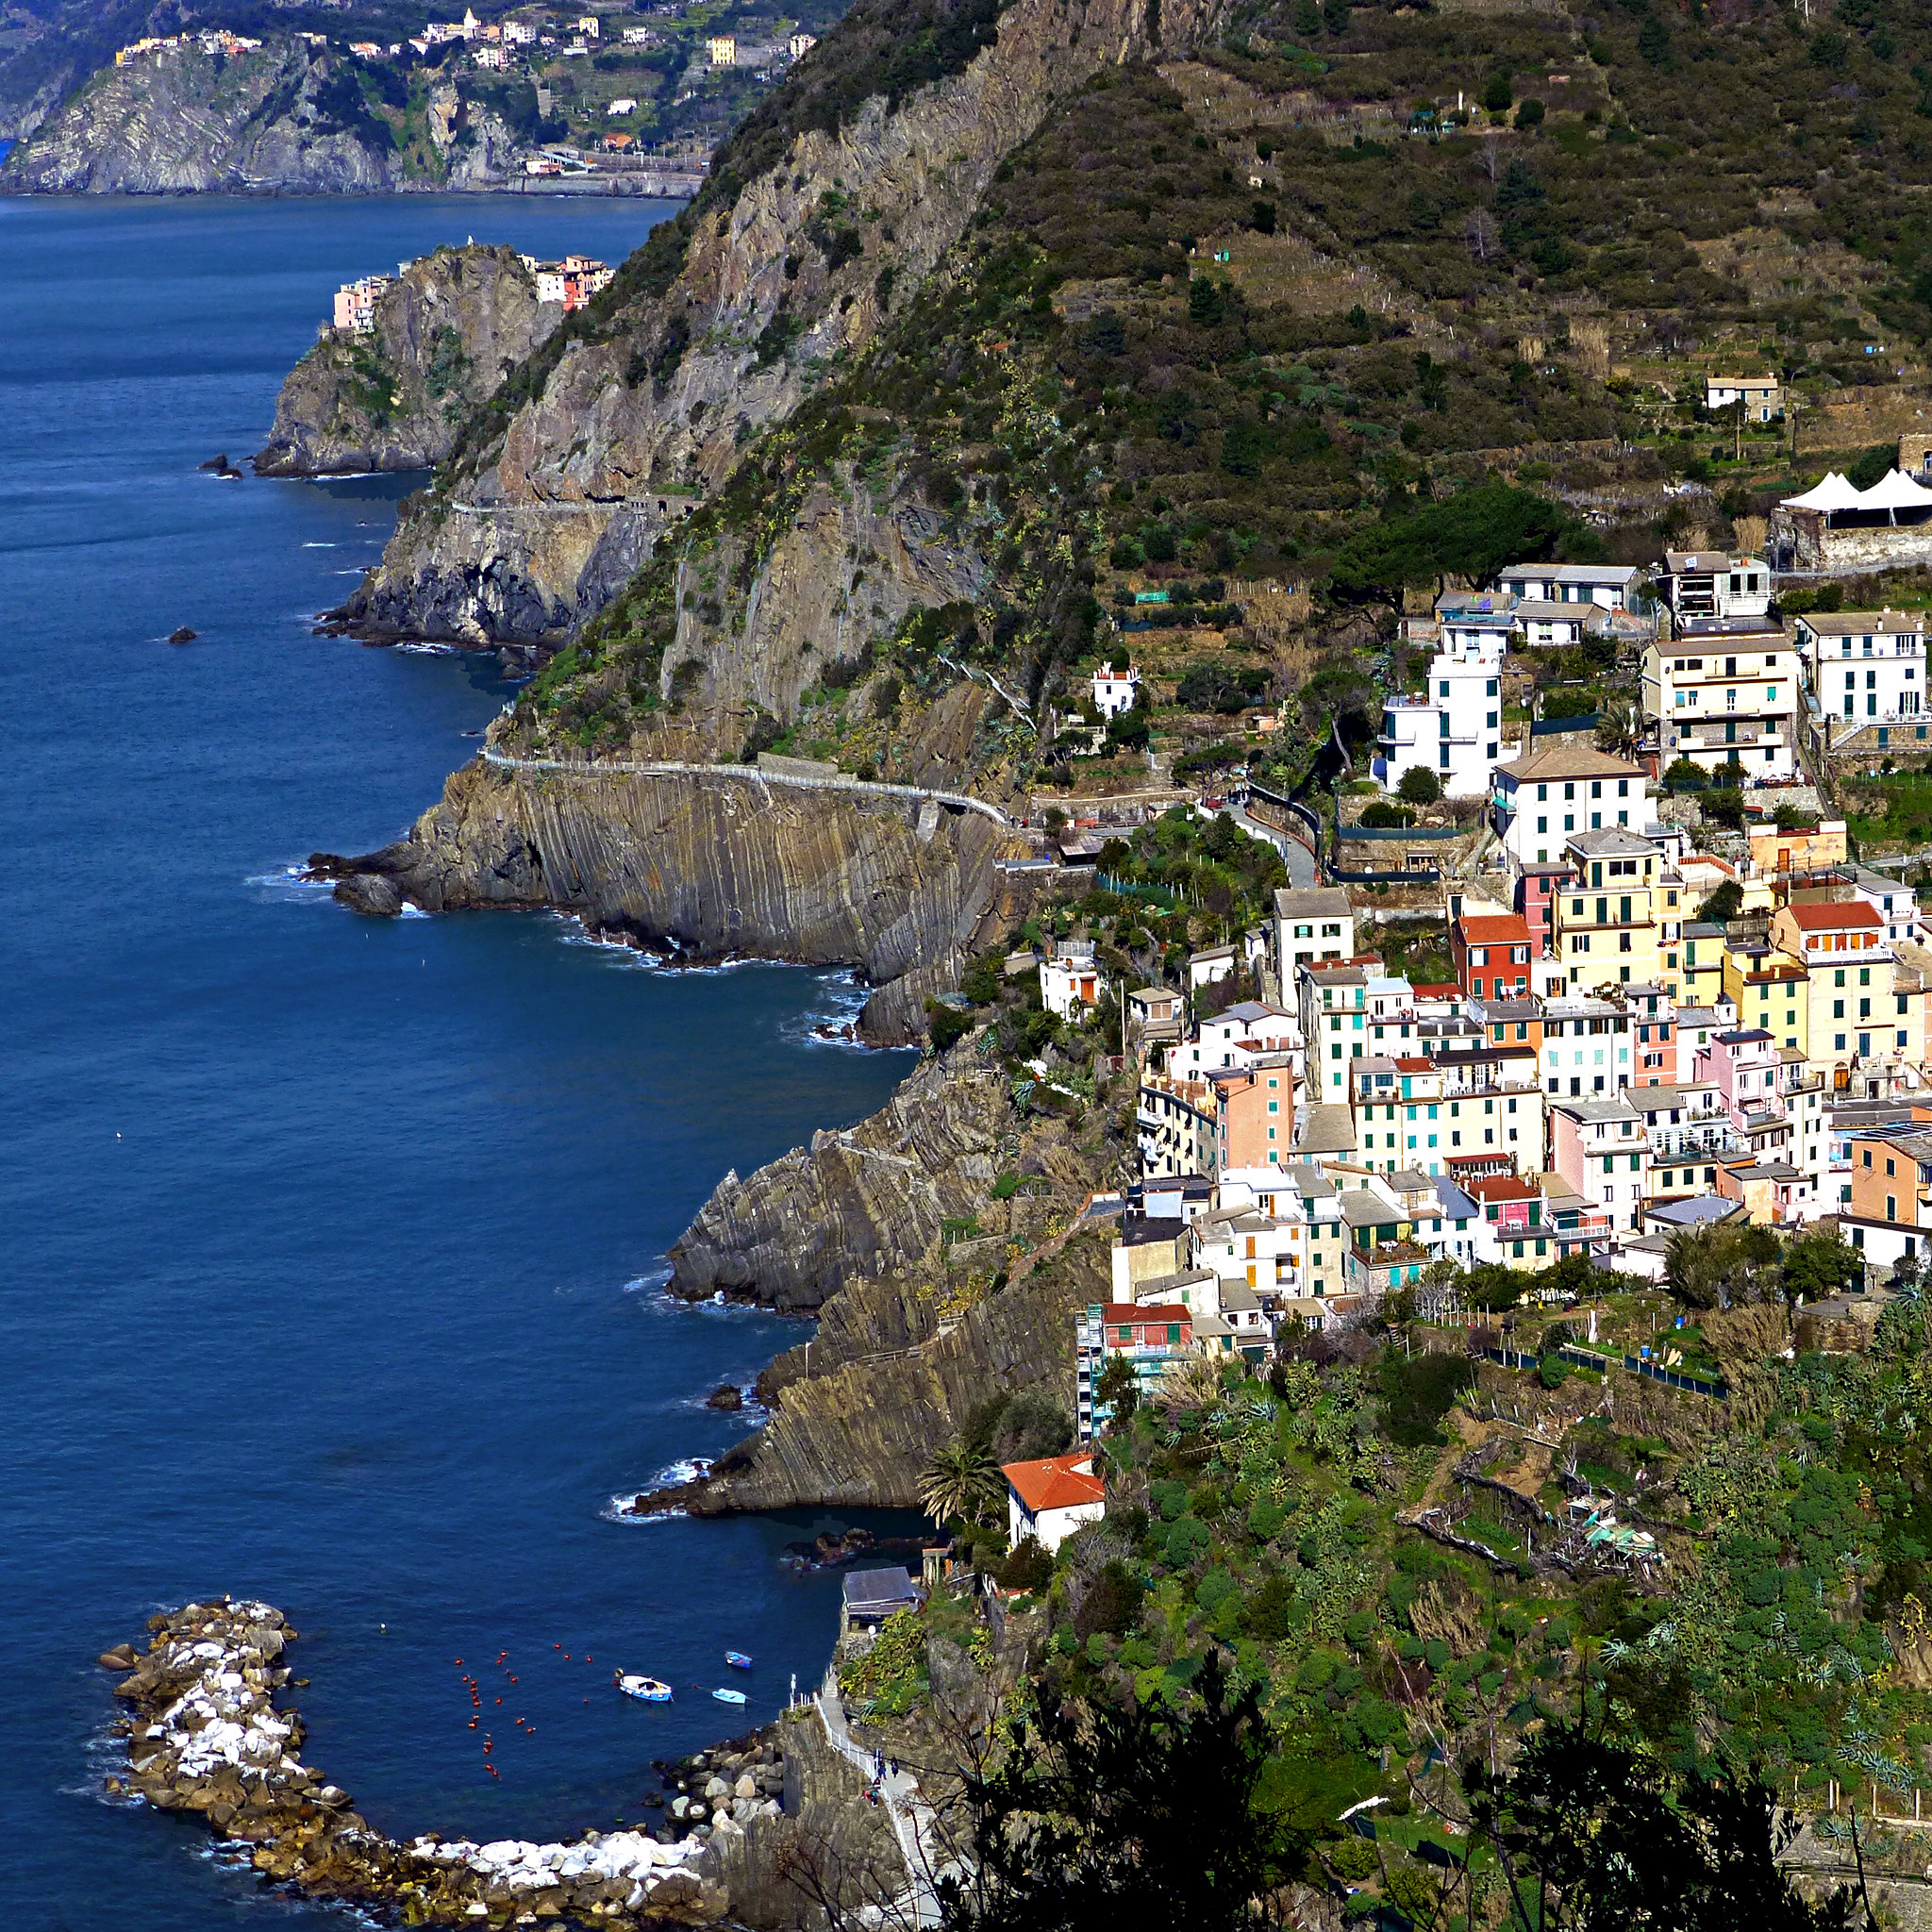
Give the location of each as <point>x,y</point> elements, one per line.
<point>204,1735</point>
<point>393,398</point>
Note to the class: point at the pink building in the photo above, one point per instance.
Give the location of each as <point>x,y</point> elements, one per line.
<point>1743,1065</point>
<point>1601,1148</point>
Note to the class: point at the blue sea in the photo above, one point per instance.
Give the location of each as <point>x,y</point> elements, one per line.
<point>331,1245</point>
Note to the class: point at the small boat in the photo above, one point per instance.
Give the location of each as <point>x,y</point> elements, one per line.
<point>738,1660</point>
<point>728,1696</point>
<point>649,1689</point>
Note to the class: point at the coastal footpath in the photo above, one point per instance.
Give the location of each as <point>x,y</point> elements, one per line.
<point>443,335</point>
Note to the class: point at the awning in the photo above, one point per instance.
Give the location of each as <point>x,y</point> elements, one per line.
<point>1833,492</point>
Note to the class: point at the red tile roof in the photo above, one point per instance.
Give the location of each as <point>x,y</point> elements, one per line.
<point>1119,1314</point>
<point>1446,990</point>
<point>1502,1187</point>
<point>1419,1066</point>
<point>1495,929</point>
<point>1056,1482</point>
<point>1831,916</point>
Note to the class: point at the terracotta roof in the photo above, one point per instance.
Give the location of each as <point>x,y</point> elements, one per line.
<point>1445,990</point>
<point>1416,1066</point>
<point>1570,761</point>
<point>1829,916</point>
<point>1502,1187</point>
<point>1056,1482</point>
<point>1119,1314</point>
<point>1495,929</point>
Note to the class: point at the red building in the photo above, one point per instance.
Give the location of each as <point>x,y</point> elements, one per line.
<point>1492,953</point>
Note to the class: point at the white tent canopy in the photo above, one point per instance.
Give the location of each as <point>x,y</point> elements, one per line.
<point>1896,492</point>
<point>1833,492</point>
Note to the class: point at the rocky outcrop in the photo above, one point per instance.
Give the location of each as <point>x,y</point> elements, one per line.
<point>206,1737</point>
<point>932,1293</point>
<point>445,333</point>
<point>854,1430</point>
<point>771,287</point>
<point>710,865</point>
<point>875,1200</point>
<point>282,118</point>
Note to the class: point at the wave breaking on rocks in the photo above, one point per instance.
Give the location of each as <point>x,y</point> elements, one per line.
<point>205,1736</point>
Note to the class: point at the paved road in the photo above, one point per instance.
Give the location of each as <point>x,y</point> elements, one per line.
<point>1301,861</point>
<point>913,1823</point>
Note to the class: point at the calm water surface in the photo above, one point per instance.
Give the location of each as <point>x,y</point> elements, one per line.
<point>326,1244</point>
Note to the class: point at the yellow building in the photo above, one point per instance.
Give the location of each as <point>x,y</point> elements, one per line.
<point>1609,924</point>
<point>1772,990</point>
<point>1726,695</point>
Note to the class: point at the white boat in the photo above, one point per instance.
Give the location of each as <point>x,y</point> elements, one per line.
<point>648,1689</point>
<point>728,1696</point>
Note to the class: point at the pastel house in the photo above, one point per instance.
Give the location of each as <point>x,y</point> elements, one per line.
<point>1052,1498</point>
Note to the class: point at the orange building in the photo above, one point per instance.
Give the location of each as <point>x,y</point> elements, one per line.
<point>1492,954</point>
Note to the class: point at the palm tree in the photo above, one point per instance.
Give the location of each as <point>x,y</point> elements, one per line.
<point>1618,727</point>
<point>961,1481</point>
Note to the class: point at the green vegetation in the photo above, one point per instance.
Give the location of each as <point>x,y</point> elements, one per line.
<point>1892,812</point>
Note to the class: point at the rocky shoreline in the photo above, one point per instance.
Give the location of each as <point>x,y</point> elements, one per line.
<point>205,1736</point>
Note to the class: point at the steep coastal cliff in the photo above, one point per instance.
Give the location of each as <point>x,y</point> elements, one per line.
<point>712,865</point>
<point>815,233</point>
<point>934,1293</point>
<point>446,332</point>
<point>284,117</point>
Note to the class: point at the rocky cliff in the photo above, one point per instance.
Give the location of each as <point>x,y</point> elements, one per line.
<point>446,332</point>
<point>284,117</point>
<point>935,1294</point>
<point>723,329</point>
<point>712,865</point>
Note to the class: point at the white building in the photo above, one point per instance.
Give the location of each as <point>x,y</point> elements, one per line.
<point>802,45</point>
<point>1311,923</point>
<point>1759,396</point>
<point>1115,691</point>
<point>1052,1498</point>
<point>1235,1039</point>
<point>623,105</point>
<point>1712,583</point>
<point>1608,585</point>
<point>588,25</point>
<point>1453,728</point>
<point>1071,986</point>
<point>1724,695</point>
<point>1544,797</point>
<point>1866,665</point>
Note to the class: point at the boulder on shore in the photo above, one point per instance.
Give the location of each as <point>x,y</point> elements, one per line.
<point>726,1395</point>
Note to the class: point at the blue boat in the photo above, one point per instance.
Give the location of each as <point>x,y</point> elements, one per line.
<point>738,1660</point>
<point>647,1690</point>
<point>728,1696</point>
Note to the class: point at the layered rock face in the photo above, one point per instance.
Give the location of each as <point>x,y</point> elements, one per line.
<point>445,333</point>
<point>669,395</point>
<point>284,117</point>
<point>714,865</point>
<point>914,1330</point>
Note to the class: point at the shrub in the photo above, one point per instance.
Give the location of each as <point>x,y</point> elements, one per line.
<point>1417,1391</point>
<point>946,1024</point>
<point>1420,786</point>
<point>1686,775</point>
<point>1381,814</point>
<point>1271,1613</point>
<point>1111,1604</point>
<point>1028,1567</point>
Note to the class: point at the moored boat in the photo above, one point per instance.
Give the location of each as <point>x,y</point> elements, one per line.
<point>738,1660</point>
<point>728,1696</point>
<point>648,1690</point>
